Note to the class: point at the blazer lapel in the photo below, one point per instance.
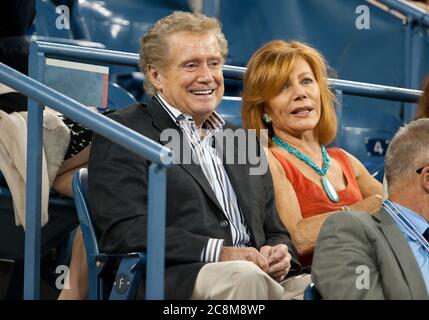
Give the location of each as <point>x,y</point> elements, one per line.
<point>162,121</point>
<point>403,253</point>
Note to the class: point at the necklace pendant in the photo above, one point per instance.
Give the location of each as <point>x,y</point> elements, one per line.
<point>329,189</point>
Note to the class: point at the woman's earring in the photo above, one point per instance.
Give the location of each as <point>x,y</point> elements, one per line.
<point>266,118</point>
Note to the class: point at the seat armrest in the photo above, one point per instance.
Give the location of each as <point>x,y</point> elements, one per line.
<point>128,276</point>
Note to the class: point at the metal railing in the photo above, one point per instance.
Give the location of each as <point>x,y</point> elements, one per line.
<point>42,95</point>
<point>231,72</point>
<point>415,24</point>
<point>408,9</point>
<point>349,87</point>
<point>160,157</point>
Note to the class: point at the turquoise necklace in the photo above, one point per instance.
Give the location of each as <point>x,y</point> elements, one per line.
<point>327,186</point>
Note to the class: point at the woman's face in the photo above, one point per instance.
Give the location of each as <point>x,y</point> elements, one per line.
<point>297,108</point>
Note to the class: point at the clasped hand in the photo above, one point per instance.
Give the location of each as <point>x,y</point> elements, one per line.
<point>275,260</point>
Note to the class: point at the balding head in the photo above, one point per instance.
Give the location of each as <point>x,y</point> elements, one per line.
<point>407,152</point>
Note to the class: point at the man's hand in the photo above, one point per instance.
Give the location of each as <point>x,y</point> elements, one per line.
<point>278,258</point>
<point>244,253</point>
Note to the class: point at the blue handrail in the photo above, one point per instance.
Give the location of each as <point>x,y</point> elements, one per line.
<point>362,89</point>
<point>72,109</point>
<point>354,88</point>
<point>408,9</point>
<point>100,56</point>
<point>161,157</point>
<point>230,72</point>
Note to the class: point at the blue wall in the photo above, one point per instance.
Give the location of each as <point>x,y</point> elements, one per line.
<point>377,55</point>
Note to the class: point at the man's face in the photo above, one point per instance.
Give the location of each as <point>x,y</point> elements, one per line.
<point>192,81</point>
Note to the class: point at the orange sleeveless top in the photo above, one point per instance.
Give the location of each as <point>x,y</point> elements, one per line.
<point>312,198</point>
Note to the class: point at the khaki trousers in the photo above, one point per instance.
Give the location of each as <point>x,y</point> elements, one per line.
<point>244,280</point>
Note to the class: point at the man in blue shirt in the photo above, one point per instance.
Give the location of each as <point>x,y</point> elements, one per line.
<point>385,255</point>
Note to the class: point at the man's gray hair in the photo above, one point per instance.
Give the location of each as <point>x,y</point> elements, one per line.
<point>408,150</point>
<point>154,44</point>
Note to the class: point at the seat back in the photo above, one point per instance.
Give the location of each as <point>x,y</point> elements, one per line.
<point>367,137</point>
<point>118,97</point>
<point>120,24</point>
<point>131,266</point>
<point>311,293</point>
<point>46,21</point>
<point>80,193</point>
<point>230,110</point>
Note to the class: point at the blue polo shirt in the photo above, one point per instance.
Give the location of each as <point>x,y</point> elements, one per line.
<point>421,254</point>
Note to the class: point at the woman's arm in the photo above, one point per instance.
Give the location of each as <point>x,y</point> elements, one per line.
<point>370,188</point>
<point>303,232</point>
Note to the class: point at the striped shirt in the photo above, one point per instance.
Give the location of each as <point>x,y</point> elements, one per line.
<point>213,169</point>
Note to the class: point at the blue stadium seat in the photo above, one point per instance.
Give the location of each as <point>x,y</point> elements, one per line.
<point>230,110</point>
<point>133,83</point>
<point>131,266</point>
<point>311,293</point>
<point>45,21</point>
<point>367,137</point>
<point>118,97</point>
<point>120,24</point>
<point>46,29</point>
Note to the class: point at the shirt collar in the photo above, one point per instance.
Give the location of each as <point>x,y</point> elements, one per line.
<point>174,113</point>
<point>417,220</point>
<point>214,121</point>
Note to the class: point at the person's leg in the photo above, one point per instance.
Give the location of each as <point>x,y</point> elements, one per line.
<point>295,286</point>
<point>235,280</point>
<point>78,269</point>
<point>77,277</point>
<point>63,181</point>
<point>77,160</point>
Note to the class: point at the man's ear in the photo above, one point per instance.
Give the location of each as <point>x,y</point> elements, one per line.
<point>424,179</point>
<point>155,77</point>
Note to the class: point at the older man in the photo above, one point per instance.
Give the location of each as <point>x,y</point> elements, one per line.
<point>223,237</point>
<point>386,255</point>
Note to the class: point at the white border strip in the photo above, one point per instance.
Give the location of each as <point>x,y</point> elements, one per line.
<point>231,98</point>
<point>77,65</point>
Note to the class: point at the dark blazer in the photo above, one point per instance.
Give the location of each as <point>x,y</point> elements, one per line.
<point>349,243</point>
<point>118,199</point>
